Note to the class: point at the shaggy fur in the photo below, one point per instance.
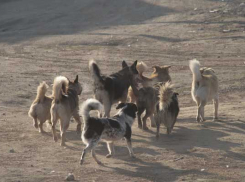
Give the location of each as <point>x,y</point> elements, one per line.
<point>111,89</point>
<point>65,105</point>
<point>167,109</point>
<point>204,88</point>
<point>107,129</point>
<point>40,108</point>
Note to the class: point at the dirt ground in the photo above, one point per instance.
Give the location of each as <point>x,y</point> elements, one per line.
<point>42,39</point>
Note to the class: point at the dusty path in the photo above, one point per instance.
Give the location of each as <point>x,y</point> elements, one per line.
<point>42,39</point>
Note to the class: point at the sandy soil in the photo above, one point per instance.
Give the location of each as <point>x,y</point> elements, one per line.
<point>42,39</point>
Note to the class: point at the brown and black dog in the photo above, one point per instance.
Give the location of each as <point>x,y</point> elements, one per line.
<point>113,88</point>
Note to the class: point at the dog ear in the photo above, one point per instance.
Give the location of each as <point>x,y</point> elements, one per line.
<point>134,68</point>
<point>120,105</point>
<point>124,64</point>
<point>76,80</point>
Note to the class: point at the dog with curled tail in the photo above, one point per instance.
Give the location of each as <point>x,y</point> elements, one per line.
<point>204,88</point>
<point>106,129</point>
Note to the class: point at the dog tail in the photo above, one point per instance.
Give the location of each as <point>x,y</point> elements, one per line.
<point>60,87</point>
<point>165,95</point>
<point>95,71</point>
<point>41,91</point>
<point>141,67</point>
<point>195,69</point>
<point>89,105</point>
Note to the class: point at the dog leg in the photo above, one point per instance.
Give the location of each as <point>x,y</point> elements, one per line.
<point>147,114</point>
<point>95,158</point>
<point>78,120</point>
<point>35,124</point>
<point>41,127</point>
<point>89,147</point>
<point>107,110</point>
<point>153,123</point>
<point>216,106</point>
<point>158,127</point>
<point>54,121</point>
<point>201,111</point>
<point>111,149</point>
<point>140,111</point>
<point>202,114</point>
<point>63,127</point>
<point>130,149</point>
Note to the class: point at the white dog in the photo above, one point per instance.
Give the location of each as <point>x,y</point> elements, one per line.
<point>204,88</point>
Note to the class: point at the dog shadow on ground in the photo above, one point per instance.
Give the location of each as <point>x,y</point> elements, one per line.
<point>152,171</point>
<point>208,135</point>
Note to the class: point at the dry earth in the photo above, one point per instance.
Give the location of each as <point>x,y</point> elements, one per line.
<point>40,39</point>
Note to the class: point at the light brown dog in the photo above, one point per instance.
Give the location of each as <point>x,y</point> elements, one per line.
<point>40,108</point>
<point>160,74</point>
<point>65,105</point>
<point>204,88</point>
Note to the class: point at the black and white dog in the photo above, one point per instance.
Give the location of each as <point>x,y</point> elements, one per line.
<point>107,129</point>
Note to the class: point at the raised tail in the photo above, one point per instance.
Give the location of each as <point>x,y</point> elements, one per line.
<point>41,91</point>
<point>141,67</point>
<point>89,105</point>
<point>165,95</point>
<point>95,71</point>
<point>60,87</point>
<point>195,69</point>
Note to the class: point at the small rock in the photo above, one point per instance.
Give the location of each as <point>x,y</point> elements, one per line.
<point>227,166</point>
<point>202,169</point>
<point>4,114</point>
<point>32,166</point>
<point>52,172</point>
<point>70,177</point>
<point>11,151</point>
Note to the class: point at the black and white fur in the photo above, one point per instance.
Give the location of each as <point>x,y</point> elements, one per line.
<point>107,129</point>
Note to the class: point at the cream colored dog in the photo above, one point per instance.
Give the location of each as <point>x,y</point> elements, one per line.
<point>204,88</point>
<point>65,105</point>
<point>40,108</point>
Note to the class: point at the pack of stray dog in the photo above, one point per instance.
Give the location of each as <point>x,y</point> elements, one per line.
<point>154,95</point>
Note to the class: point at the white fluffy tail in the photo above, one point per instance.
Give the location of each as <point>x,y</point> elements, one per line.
<point>165,95</point>
<point>141,67</point>
<point>195,69</point>
<point>60,86</point>
<point>89,105</point>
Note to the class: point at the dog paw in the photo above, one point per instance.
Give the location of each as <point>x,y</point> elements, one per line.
<point>81,162</point>
<point>108,156</point>
<point>99,163</point>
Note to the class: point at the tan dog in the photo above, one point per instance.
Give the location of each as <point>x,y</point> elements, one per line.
<point>65,105</point>
<point>40,108</point>
<point>204,88</point>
